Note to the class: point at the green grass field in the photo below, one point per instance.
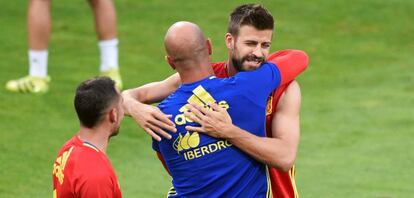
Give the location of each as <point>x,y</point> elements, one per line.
<point>358,93</point>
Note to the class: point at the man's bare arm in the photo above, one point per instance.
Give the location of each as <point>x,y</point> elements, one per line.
<point>286,125</point>
<point>148,117</point>
<point>278,151</point>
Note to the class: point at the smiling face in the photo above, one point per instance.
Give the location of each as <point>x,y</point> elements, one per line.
<point>250,48</point>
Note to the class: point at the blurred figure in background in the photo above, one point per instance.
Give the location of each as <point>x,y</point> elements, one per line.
<point>39,29</point>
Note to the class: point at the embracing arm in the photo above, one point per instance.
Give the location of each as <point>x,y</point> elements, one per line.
<point>286,127</point>
<point>278,151</point>
<point>150,118</point>
<point>291,63</point>
<point>151,92</point>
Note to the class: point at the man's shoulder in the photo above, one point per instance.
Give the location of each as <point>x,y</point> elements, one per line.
<point>174,100</point>
<point>218,65</point>
<point>219,69</point>
<point>287,53</point>
<point>89,165</point>
<point>81,149</point>
<point>88,157</point>
<point>79,161</point>
<point>92,170</point>
<point>68,146</point>
<point>266,69</point>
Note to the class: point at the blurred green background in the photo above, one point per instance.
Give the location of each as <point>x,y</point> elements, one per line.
<point>358,93</point>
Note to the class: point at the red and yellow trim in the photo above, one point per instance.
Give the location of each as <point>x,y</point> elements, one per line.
<point>292,174</point>
<point>269,193</point>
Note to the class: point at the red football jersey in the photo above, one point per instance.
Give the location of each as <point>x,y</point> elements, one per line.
<point>81,170</point>
<point>290,63</point>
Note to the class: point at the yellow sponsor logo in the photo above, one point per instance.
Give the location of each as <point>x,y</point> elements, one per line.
<point>207,149</point>
<point>200,97</point>
<point>187,141</point>
<point>189,144</point>
<point>59,165</point>
<point>190,141</point>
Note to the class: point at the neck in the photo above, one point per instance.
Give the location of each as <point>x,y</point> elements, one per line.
<point>97,136</point>
<point>231,71</point>
<point>193,74</point>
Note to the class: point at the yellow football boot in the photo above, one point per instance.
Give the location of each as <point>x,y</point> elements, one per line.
<point>29,84</point>
<point>114,75</point>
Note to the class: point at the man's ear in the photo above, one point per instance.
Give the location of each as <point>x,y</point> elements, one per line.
<point>170,61</point>
<point>113,115</point>
<point>229,39</point>
<point>209,47</point>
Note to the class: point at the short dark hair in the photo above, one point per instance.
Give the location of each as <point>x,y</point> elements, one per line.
<point>93,98</point>
<point>250,14</point>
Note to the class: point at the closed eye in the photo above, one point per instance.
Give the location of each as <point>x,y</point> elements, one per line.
<point>251,43</point>
<point>266,45</point>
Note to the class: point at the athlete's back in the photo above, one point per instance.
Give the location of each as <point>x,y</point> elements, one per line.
<point>203,166</point>
<point>81,170</point>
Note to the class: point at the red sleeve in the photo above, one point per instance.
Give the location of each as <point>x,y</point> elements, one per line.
<point>161,158</point>
<point>290,63</point>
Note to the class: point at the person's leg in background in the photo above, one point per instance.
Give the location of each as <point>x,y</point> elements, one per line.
<point>105,25</point>
<point>39,28</point>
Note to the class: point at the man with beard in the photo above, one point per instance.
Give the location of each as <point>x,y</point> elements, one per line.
<point>201,165</point>
<point>82,168</point>
<point>248,40</point>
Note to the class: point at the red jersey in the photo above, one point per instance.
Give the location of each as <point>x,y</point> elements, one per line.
<point>81,170</point>
<point>290,63</point>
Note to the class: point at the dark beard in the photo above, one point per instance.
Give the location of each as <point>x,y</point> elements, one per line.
<point>238,63</point>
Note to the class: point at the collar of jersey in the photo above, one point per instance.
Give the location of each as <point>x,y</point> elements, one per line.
<point>196,83</point>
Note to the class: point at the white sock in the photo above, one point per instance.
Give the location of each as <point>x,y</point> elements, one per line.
<point>109,54</point>
<point>38,63</point>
